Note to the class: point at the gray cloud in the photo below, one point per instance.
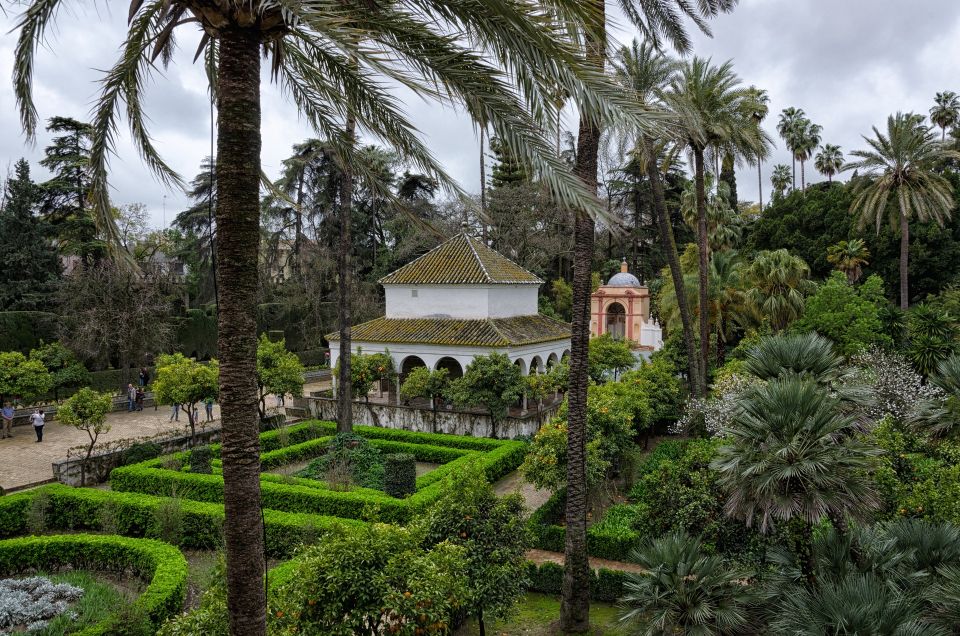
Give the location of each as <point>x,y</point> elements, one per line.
<point>848,64</point>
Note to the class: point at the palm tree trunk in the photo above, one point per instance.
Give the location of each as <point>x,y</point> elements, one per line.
<point>904,261</point>
<point>575,587</point>
<point>793,161</point>
<point>673,259</point>
<point>760,183</point>
<point>344,249</point>
<point>803,177</point>
<point>704,268</point>
<point>238,238</point>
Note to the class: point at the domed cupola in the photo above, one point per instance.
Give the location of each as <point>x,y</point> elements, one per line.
<point>623,278</point>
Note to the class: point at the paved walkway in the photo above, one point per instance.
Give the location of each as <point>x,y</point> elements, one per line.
<point>25,463</point>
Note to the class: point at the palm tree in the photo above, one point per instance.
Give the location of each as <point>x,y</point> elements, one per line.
<point>829,161</point>
<point>726,298</point>
<point>778,283</point>
<point>791,455</point>
<point>804,354</point>
<point>902,163</point>
<point>849,257</point>
<point>644,72</point>
<point>325,58</point>
<point>807,138</point>
<point>786,127</point>
<point>685,590</point>
<point>945,112</point>
<point>940,416</point>
<point>724,225</point>
<point>711,110</point>
<point>760,99</point>
<point>656,20</point>
<point>780,180</point>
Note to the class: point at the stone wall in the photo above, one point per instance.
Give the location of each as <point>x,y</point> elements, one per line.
<point>67,471</point>
<point>422,420</point>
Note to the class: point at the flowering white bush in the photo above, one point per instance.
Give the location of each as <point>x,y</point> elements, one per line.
<point>895,387</point>
<point>717,411</point>
<point>31,602</point>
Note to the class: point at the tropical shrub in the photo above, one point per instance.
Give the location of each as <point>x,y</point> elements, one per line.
<point>664,392</point>
<point>850,316</point>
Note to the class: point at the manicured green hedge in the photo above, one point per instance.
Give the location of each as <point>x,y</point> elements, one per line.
<point>605,585</point>
<point>605,541</point>
<point>135,515</point>
<point>498,457</point>
<point>159,563</point>
<point>400,474</point>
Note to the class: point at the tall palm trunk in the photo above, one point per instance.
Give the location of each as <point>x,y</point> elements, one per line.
<point>673,260</point>
<point>793,161</point>
<point>575,588</point>
<point>344,249</point>
<point>803,177</point>
<point>904,262</point>
<point>760,183</point>
<point>703,249</point>
<point>238,238</point>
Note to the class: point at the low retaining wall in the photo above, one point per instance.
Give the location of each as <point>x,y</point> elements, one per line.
<point>411,418</point>
<point>67,471</point>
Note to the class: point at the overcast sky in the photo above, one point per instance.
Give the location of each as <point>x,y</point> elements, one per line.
<point>847,63</point>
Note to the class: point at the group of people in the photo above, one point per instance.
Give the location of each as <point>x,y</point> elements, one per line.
<point>207,405</point>
<point>38,418</point>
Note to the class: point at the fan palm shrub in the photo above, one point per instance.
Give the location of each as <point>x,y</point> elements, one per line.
<point>778,282</point>
<point>939,416</point>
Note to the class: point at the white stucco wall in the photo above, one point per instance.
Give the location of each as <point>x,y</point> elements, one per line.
<point>460,301</point>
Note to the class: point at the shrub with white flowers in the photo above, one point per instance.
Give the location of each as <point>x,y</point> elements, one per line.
<point>895,386</point>
<point>716,412</point>
<point>30,603</point>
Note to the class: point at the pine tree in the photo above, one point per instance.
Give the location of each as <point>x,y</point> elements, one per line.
<point>508,169</point>
<point>29,266</point>
<point>729,176</point>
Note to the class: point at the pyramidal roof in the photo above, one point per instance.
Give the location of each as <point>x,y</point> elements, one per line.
<point>462,260</point>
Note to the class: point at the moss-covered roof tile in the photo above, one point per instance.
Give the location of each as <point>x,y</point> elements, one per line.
<point>463,260</point>
<point>493,332</point>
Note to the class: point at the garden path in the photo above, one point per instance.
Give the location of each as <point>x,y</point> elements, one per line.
<point>542,556</point>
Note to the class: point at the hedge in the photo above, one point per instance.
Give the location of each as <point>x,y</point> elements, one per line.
<point>400,474</point>
<point>306,496</point>
<point>134,514</point>
<point>25,330</point>
<point>603,541</point>
<point>605,585</point>
<point>159,563</point>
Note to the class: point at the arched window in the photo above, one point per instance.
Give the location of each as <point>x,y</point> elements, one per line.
<point>409,364</point>
<point>454,370</point>
<point>616,321</point>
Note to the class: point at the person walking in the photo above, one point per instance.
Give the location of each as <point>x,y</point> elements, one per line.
<point>38,420</point>
<point>142,377</point>
<point>131,397</point>
<point>174,413</point>
<point>138,399</point>
<point>208,404</point>
<point>7,413</point>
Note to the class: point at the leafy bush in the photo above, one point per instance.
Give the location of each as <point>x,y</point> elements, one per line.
<point>848,315</point>
<point>609,357</point>
<point>605,585</point>
<point>400,475</point>
<point>364,461</point>
<point>200,460</point>
<point>142,452</point>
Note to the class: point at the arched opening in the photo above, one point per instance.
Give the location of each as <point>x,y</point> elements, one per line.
<point>523,365</point>
<point>536,365</point>
<point>565,356</point>
<point>453,367</point>
<point>409,364</point>
<point>552,360</point>
<point>616,320</point>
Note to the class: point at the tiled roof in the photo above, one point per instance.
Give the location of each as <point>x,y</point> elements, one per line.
<point>493,332</point>
<point>463,260</point>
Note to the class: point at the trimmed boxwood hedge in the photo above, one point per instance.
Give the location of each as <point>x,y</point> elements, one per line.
<point>605,585</point>
<point>134,514</point>
<point>159,563</point>
<point>400,474</point>
<point>497,457</point>
<point>603,541</point>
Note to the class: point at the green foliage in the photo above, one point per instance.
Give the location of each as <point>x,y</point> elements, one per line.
<point>278,371</point>
<point>25,330</point>
<point>180,380</point>
<point>367,370</point>
<point>23,378</point>
<point>933,336</point>
<point>364,462</point>
<point>200,460</point>
<point>658,382</point>
<point>62,364</point>
<point>562,294</point>
<point>161,566</point>
<point>777,286</point>
<point>142,452</point>
<point>685,590</point>
<point>86,410</point>
<point>366,579</point>
<point>545,465</point>
<point>195,334</point>
<point>492,534</point>
<point>849,316</point>
<point>538,386</point>
<point>491,381</point>
<point>424,383</point>
<point>399,474</point>
<point>605,585</point>
<point>609,356</point>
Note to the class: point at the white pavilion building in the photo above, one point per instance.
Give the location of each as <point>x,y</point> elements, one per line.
<point>460,300</point>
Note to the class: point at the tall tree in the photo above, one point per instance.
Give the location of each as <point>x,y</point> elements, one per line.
<point>902,163</point>
<point>778,283</point>
<point>849,257</point>
<point>645,72</point>
<point>713,110</point>
<point>828,161</point>
<point>655,20</point>
<point>29,269</point>
<point>780,180</point>
<point>945,112</point>
<point>786,128</point>
<point>325,57</point>
<point>761,99</point>
<point>807,138</point>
